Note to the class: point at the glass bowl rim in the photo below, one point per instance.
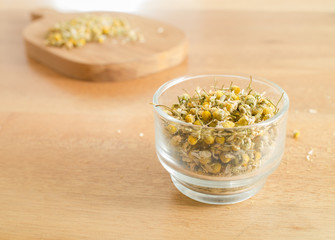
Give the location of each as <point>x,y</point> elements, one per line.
<point>178,80</point>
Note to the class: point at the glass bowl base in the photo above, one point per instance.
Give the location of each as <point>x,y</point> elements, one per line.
<point>218,199</point>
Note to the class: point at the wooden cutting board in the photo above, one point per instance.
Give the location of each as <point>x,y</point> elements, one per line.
<point>108,61</point>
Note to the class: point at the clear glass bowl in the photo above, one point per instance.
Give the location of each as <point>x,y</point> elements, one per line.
<point>263,143</point>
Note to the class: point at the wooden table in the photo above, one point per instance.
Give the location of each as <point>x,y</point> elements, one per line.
<point>74,166</point>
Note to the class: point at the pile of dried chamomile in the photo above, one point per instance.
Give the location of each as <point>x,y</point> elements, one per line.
<point>78,31</point>
<point>218,133</point>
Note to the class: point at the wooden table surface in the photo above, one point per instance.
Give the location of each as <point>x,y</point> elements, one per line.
<point>74,166</point>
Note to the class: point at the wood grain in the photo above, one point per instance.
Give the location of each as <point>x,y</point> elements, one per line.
<point>66,172</point>
<point>153,5</point>
<point>109,61</point>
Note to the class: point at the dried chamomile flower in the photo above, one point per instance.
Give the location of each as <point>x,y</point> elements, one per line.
<point>192,140</point>
<point>296,134</point>
<point>189,118</point>
<point>206,116</point>
<point>225,158</point>
<point>220,140</point>
<point>236,89</point>
<point>209,140</point>
<point>228,124</point>
<point>172,129</point>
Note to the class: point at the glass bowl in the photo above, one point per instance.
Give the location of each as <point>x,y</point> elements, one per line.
<point>197,170</point>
